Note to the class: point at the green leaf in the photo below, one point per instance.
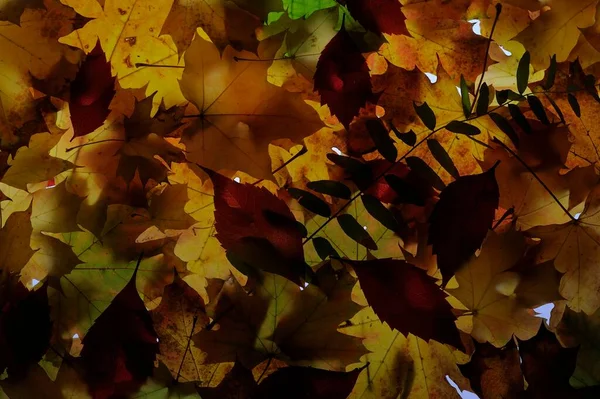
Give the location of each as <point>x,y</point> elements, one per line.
<point>523,72</point>
<point>538,109</point>
<point>355,231</point>
<point>330,187</point>
<point>381,138</point>
<point>464,94</point>
<point>519,118</point>
<point>574,104</point>
<point>425,172</point>
<point>408,138</point>
<point>550,74</point>
<point>310,201</point>
<point>304,8</point>
<point>505,126</point>
<point>324,248</point>
<point>462,128</point>
<point>380,212</point>
<point>426,114</point>
<point>407,194</point>
<point>441,155</point>
<point>483,101</point>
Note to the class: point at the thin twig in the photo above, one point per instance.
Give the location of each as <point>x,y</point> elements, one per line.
<point>487,51</point>
<point>286,163</point>
<point>508,212</point>
<point>265,369</point>
<point>187,348</point>
<point>511,152</point>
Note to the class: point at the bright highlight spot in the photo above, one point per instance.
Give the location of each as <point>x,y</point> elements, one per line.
<point>576,216</point>
<point>432,78</point>
<point>237,179</point>
<point>75,336</point>
<point>458,90</point>
<point>476,26</point>
<point>463,394</point>
<point>544,311</point>
<point>305,285</point>
<point>337,150</point>
<point>365,227</point>
<point>34,282</point>
<point>505,51</point>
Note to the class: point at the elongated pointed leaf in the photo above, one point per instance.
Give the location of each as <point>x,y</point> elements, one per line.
<point>425,172</point>
<point>354,230</point>
<point>330,187</point>
<point>407,194</point>
<point>463,128</point>
<point>310,201</point>
<point>550,74</point>
<point>408,138</point>
<point>538,109</point>
<point>519,118</point>
<point>574,104</point>
<point>441,155</point>
<point>464,96</point>
<point>483,101</point>
<point>351,165</point>
<point>556,109</point>
<point>379,211</point>
<point>426,114</point>
<point>324,248</point>
<point>382,140</point>
<point>523,72</point>
<point>506,127</point>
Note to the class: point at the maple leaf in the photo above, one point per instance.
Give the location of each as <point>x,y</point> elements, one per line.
<point>55,210</point>
<point>344,86</point>
<point>15,236</point>
<point>487,287</point>
<point>12,10</point>
<point>280,320</point>
<point>231,131</point>
<point>381,280</point>
<point>470,198</point>
<point>224,22</point>
<point>116,361</point>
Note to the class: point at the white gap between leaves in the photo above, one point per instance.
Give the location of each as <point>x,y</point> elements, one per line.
<point>458,90</point>
<point>432,77</point>
<point>75,336</point>
<point>337,150</point>
<point>505,51</point>
<point>34,282</point>
<point>476,26</point>
<point>305,285</point>
<point>576,216</point>
<point>237,179</point>
<point>544,311</point>
<point>463,394</point>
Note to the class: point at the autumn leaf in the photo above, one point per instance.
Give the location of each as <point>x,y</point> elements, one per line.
<point>15,247</point>
<point>237,138</point>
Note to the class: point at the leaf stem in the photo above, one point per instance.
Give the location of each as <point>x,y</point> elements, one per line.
<point>265,369</point>
<point>143,64</point>
<point>286,163</point>
<point>511,152</point>
<point>187,348</point>
<point>487,51</point>
<point>508,212</point>
<point>94,142</point>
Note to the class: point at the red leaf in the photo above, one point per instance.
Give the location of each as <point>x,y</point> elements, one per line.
<point>252,221</point>
<point>461,218</point>
<point>119,350</point>
<point>409,300</point>
<point>25,329</point>
<point>91,93</point>
<point>495,372</point>
<point>307,382</point>
<point>379,16</point>
<point>342,78</point>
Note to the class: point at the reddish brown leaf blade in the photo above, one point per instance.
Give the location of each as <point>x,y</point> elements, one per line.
<point>461,218</point>
<point>120,348</point>
<point>342,78</point>
<point>91,93</point>
<point>307,382</point>
<point>495,372</point>
<point>379,16</point>
<point>244,211</point>
<point>408,299</point>
<point>547,367</point>
<point>25,329</point>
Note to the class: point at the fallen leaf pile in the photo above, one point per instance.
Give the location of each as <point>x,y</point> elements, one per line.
<point>299,199</point>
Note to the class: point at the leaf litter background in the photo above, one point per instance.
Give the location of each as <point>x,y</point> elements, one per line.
<point>265,199</point>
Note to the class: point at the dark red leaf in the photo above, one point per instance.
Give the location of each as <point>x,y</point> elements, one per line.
<point>409,300</point>
<point>379,16</point>
<point>307,382</point>
<point>244,211</point>
<point>91,93</point>
<point>120,348</point>
<point>342,78</point>
<point>461,218</point>
<point>25,329</point>
<point>495,372</point>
